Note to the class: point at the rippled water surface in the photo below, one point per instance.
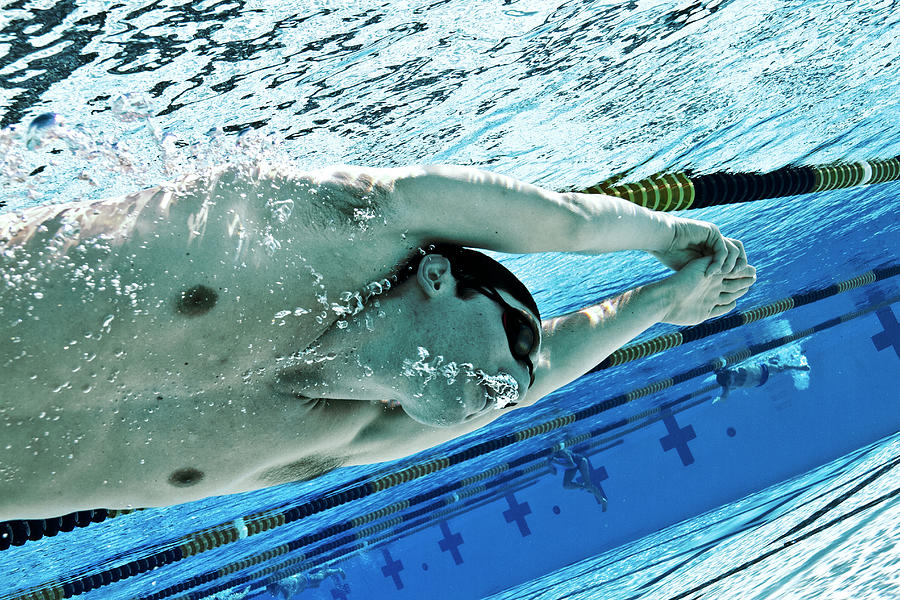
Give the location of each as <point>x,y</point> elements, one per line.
<point>557,94</point>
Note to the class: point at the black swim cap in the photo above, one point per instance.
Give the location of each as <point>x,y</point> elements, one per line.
<point>473,269</point>
<point>724,377</point>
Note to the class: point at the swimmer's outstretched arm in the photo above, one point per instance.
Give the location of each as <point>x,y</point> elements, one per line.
<point>576,342</point>
<point>478,208</point>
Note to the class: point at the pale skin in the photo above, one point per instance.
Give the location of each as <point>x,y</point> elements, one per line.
<point>202,338</point>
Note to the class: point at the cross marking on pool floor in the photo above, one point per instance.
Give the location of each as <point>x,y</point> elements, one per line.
<point>891,334</point>
<point>678,438</point>
<point>392,568</point>
<point>340,592</point>
<point>517,513</point>
<point>598,475</point>
<point>451,543</point>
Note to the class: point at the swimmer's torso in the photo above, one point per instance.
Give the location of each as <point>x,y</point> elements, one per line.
<point>143,367</point>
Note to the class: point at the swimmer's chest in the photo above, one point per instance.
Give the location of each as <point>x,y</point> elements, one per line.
<point>194,293</point>
<point>171,313</point>
<point>154,449</point>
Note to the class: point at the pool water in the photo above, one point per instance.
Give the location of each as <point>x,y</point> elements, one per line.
<point>786,490</point>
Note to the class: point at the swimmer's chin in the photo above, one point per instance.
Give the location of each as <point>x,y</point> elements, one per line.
<point>434,420</point>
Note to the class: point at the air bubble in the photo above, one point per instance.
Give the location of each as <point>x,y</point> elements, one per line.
<point>270,244</point>
<point>131,107</point>
<point>40,128</point>
<point>500,389</point>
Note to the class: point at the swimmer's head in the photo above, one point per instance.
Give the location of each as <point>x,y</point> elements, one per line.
<point>724,377</point>
<point>477,332</point>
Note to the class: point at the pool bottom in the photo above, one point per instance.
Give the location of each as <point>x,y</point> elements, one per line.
<point>830,533</point>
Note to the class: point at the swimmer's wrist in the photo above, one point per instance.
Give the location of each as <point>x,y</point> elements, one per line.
<point>659,297</point>
<point>660,232</point>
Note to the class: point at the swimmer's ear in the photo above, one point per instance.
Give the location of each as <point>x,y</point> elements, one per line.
<point>434,274</point>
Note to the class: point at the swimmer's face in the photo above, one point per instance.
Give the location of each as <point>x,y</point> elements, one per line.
<point>465,366</point>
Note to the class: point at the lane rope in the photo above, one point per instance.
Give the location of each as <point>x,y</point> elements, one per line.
<point>680,191</point>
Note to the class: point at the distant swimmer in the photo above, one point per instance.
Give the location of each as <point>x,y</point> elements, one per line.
<point>574,465</point>
<point>291,587</point>
<point>257,325</point>
<point>755,374</point>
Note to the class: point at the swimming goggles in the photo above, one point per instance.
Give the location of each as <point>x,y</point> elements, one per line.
<point>521,332</point>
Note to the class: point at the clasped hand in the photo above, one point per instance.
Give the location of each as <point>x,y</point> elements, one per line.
<point>712,272</point>
<point>692,239</point>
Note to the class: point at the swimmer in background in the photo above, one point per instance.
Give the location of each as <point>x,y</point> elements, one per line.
<point>575,464</point>
<point>755,374</point>
<point>290,587</point>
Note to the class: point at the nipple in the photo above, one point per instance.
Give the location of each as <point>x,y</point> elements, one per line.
<point>196,301</point>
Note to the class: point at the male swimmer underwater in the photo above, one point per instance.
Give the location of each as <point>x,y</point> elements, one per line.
<point>255,326</point>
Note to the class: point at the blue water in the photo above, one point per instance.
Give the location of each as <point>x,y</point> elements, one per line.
<point>560,95</point>
<point>826,534</point>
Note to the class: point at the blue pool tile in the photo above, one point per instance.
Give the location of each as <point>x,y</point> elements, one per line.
<point>451,543</point>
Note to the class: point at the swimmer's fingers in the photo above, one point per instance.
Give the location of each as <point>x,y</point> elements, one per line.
<point>720,249</point>
<point>730,297</point>
<point>734,287</point>
<point>737,284</point>
<point>737,256</point>
<point>722,309</point>
<point>729,255</point>
<point>740,276</point>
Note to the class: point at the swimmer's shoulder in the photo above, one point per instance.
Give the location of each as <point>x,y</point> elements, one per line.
<point>78,220</point>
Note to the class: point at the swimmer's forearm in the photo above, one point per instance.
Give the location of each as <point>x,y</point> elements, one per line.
<point>576,342</point>
<point>615,224</point>
<point>487,210</point>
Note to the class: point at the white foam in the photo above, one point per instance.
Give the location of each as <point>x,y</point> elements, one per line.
<point>500,389</point>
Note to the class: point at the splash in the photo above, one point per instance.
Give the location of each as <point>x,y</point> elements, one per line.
<point>500,390</point>
<point>50,158</point>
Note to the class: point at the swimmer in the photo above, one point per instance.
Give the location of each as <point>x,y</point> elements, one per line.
<point>755,374</point>
<point>255,326</point>
<point>575,464</point>
<point>292,586</point>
